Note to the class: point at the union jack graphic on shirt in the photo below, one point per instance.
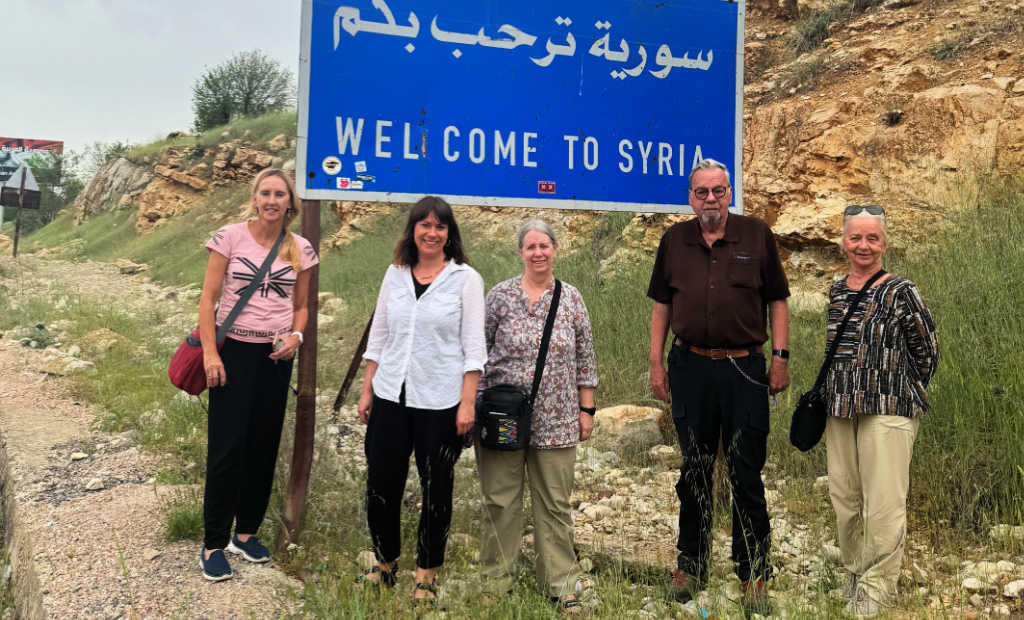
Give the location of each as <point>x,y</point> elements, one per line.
<point>276,281</point>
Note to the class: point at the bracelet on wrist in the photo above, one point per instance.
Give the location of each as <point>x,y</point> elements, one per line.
<point>588,410</point>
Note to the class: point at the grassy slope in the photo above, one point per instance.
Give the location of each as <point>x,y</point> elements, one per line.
<point>967,469</point>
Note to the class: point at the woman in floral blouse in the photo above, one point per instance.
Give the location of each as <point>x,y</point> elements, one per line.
<point>516,310</point>
<point>875,393</point>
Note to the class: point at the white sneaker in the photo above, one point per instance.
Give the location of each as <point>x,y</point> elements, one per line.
<point>863,606</point>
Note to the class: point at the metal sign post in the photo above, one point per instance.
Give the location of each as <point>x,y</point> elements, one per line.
<point>305,407</point>
<point>583,104</point>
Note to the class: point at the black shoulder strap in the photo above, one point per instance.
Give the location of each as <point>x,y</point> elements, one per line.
<point>842,327</point>
<point>243,299</point>
<point>545,340</point>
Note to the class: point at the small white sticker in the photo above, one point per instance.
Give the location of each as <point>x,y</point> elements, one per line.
<point>360,166</point>
<point>355,185</point>
<point>343,182</point>
<point>332,165</point>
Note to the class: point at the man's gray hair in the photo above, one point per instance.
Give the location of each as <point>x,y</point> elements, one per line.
<point>710,164</point>
<point>540,226</point>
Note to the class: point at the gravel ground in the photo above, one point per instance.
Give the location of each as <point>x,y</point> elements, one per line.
<point>99,553</point>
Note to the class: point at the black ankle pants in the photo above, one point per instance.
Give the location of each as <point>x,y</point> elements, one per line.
<point>244,431</point>
<point>393,433</point>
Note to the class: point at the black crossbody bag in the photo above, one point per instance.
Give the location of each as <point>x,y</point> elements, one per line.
<point>505,411</point>
<point>810,415</point>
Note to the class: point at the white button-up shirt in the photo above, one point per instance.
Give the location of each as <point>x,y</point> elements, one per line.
<point>427,343</point>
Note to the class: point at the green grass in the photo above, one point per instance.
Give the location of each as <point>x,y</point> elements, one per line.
<point>968,467</point>
<point>183,511</point>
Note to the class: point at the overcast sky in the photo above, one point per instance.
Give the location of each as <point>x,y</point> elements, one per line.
<point>86,70</point>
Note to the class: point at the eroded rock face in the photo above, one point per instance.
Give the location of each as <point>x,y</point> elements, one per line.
<point>113,180</point>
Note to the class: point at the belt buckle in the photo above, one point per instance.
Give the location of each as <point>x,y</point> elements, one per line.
<point>719,354</point>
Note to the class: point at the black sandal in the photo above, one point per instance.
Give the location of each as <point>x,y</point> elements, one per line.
<point>386,578</point>
<point>570,605</point>
<point>430,587</point>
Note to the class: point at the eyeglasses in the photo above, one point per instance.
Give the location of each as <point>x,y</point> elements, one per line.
<point>717,191</point>
<point>857,209</point>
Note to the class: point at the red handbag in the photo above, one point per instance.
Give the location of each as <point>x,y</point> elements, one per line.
<point>187,371</point>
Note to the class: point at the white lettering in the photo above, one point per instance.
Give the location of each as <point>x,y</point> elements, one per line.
<point>697,157</point>
<point>572,142</point>
<point>665,157</point>
<point>476,146</point>
<point>448,132</point>
<point>645,153</point>
<point>627,164</point>
<point>381,139</point>
<point>590,154</point>
<point>528,148</point>
<point>407,154</point>
<point>347,136</point>
<point>682,156</point>
<point>504,149</point>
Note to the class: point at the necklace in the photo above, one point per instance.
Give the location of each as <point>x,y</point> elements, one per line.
<point>424,278</point>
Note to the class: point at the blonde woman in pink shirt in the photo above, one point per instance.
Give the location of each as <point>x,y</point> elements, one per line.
<point>249,376</point>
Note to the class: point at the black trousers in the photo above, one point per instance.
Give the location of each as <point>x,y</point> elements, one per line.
<point>393,433</point>
<point>711,399</point>
<point>244,432</point>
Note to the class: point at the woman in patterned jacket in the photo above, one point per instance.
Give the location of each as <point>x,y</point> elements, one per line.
<point>516,311</point>
<point>875,392</point>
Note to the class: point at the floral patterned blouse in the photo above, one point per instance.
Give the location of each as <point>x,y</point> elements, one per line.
<point>513,329</point>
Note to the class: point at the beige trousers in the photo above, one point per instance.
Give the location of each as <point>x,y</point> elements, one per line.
<point>868,480</point>
<point>550,474</point>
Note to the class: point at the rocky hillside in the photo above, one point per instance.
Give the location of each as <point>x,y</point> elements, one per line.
<point>896,102</point>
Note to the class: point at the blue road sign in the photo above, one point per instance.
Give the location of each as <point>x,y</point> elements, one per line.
<point>589,104</point>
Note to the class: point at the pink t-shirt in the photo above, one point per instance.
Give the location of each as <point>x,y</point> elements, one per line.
<point>270,308</point>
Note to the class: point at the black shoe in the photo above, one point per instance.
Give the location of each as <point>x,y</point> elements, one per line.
<point>216,567</point>
<point>683,586</point>
<point>252,549</point>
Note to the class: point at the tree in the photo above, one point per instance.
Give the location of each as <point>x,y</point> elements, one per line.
<point>247,84</point>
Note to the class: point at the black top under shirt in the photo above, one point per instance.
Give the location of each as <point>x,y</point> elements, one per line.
<point>419,287</point>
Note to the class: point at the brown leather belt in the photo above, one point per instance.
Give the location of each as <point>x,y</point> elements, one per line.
<point>720,354</point>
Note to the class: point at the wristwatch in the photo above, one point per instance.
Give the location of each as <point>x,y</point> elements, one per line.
<point>588,410</point>
<point>783,353</point>
<point>299,334</point>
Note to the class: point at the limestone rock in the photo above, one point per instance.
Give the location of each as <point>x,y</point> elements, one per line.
<point>78,456</point>
<point>95,484</point>
<point>111,181</point>
<point>1014,589</point>
<point>629,426</point>
<point>278,143</point>
<point>127,267</point>
<point>975,585</point>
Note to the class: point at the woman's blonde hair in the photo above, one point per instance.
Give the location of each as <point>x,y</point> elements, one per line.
<point>289,251</point>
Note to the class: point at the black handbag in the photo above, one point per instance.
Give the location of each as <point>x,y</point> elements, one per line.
<point>810,415</point>
<point>504,413</point>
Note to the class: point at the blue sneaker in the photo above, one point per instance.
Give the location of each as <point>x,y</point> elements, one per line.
<point>216,567</point>
<point>252,549</point>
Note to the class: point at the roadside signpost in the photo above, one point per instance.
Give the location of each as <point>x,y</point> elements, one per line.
<point>21,191</point>
<point>582,104</point>
<point>571,104</point>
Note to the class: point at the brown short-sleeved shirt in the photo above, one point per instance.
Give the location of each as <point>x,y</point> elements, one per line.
<point>719,295</point>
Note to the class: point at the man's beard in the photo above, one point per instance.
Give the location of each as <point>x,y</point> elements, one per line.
<point>710,218</point>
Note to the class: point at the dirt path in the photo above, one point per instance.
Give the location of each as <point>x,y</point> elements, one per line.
<point>79,553</point>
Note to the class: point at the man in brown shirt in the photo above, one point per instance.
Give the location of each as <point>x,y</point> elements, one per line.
<point>715,279</point>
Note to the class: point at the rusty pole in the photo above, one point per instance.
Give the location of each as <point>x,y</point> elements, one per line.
<point>21,207</point>
<point>305,407</point>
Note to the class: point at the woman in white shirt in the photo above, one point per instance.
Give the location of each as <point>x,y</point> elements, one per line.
<point>423,358</point>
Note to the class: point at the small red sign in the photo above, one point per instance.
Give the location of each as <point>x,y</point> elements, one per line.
<point>343,182</point>
<point>545,187</point>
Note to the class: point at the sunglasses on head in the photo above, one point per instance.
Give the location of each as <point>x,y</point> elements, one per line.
<point>858,209</point>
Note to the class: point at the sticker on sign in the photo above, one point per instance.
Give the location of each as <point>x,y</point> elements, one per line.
<point>545,187</point>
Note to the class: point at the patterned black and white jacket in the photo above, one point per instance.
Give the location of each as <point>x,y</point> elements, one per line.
<point>887,354</point>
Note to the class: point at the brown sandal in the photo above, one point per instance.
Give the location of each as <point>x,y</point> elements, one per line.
<point>386,578</point>
<point>431,588</point>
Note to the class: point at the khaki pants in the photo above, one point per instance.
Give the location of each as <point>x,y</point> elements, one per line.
<point>868,479</point>
<point>550,473</point>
